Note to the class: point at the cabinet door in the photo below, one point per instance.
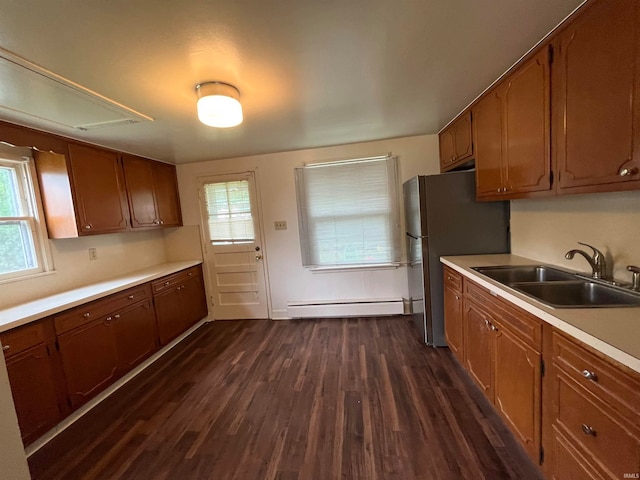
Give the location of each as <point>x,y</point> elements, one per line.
<point>32,379</point>
<point>169,314</point>
<point>463,137</point>
<point>89,359</point>
<point>527,158</point>
<point>487,138</point>
<point>135,334</point>
<point>478,351</point>
<point>139,177</point>
<point>166,194</point>
<point>100,194</point>
<point>193,300</point>
<point>447,148</point>
<point>596,90</point>
<point>453,321</point>
<point>517,386</point>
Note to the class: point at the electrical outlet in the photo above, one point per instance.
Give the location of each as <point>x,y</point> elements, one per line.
<point>93,254</point>
<point>280,225</point>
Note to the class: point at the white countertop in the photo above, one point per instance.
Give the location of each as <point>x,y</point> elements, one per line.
<point>43,307</point>
<point>612,331</point>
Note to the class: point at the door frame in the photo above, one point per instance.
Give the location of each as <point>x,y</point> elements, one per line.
<point>222,177</point>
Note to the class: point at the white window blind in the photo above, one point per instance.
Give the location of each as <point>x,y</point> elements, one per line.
<point>349,213</point>
<point>229,212</point>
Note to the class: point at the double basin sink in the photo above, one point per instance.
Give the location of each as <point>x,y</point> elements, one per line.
<point>560,289</point>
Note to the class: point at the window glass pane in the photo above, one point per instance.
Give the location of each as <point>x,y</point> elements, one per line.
<point>16,247</point>
<point>9,193</point>
<point>229,212</point>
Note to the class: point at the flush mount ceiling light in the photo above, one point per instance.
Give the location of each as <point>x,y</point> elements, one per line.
<point>219,104</point>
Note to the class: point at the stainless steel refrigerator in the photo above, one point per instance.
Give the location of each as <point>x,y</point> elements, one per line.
<point>442,217</point>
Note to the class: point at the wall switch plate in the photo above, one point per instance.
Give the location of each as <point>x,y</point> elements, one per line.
<point>93,254</point>
<point>280,225</point>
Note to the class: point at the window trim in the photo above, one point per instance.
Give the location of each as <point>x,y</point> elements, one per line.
<point>22,161</point>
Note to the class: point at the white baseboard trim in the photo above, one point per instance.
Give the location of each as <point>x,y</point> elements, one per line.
<point>346,308</point>
<point>71,419</point>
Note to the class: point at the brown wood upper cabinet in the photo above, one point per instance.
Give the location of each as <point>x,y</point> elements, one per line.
<point>456,143</point>
<point>596,86</point>
<point>511,129</point>
<point>153,193</point>
<point>85,193</point>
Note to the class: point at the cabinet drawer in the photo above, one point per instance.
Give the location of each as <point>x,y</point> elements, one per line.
<point>452,278</point>
<point>174,279</point>
<point>594,427</point>
<point>20,339</point>
<point>599,376</point>
<point>88,312</point>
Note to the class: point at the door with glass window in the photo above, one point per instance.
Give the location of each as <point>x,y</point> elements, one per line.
<point>233,246</point>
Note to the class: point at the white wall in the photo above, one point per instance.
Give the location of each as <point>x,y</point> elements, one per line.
<point>287,279</point>
<point>117,254</point>
<point>545,229</point>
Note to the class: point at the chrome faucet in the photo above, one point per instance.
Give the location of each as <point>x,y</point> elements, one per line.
<point>635,272</point>
<point>598,262</point>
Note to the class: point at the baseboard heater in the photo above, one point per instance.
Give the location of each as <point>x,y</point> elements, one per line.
<point>346,308</point>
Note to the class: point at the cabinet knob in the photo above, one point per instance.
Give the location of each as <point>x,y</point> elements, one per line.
<point>130,297</point>
<point>167,283</point>
<point>108,319</point>
<point>457,297</point>
<point>87,227</point>
<point>86,315</point>
<point>117,315</point>
<point>590,375</point>
<point>6,347</point>
<point>588,430</point>
<point>190,274</point>
<point>161,222</point>
<point>628,172</point>
<point>156,222</point>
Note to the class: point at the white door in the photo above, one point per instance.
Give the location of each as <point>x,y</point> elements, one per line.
<point>233,246</point>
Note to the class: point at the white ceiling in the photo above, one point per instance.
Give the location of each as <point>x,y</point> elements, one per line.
<point>311,73</point>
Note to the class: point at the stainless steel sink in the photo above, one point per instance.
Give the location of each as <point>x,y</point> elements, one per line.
<point>508,274</point>
<point>560,289</point>
<point>577,294</point>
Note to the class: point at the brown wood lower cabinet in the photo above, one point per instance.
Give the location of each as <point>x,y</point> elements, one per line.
<point>594,414</point>
<point>90,360</point>
<point>453,312</point>
<point>135,334</point>
<point>34,379</point>
<point>503,354</point>
<point>57,364</point>
<point>180,302</point>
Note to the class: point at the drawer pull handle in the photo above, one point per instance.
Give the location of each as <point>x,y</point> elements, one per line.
<point>6,347</point>
<point>588,430</point>
<point>130,297</point>
<point>86,315</point>
<point>590,375</point>
<point>167,283</point>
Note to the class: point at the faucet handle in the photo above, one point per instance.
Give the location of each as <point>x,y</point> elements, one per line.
<point>596,253</point>
<point>635,275</point>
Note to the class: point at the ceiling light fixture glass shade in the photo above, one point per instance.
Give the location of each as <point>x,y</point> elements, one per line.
<point>219,104</point>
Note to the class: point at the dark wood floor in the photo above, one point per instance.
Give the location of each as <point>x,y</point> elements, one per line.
<point>308,399</point>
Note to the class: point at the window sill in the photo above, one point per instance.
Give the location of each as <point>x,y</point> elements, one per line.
<point>27,277</point>
<point>354,268</point>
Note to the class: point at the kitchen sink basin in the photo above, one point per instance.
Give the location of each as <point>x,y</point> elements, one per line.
<point>560,289</point>
<point>577,294</point>
<point>508,274</point>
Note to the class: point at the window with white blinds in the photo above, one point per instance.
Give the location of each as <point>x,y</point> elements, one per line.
<point>349,213</point>
<point>229,212</point>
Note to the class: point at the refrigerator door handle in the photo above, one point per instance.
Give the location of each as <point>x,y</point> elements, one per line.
<point>416,238</point>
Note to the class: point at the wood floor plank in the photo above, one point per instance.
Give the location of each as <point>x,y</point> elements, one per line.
<point>356,398</point>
